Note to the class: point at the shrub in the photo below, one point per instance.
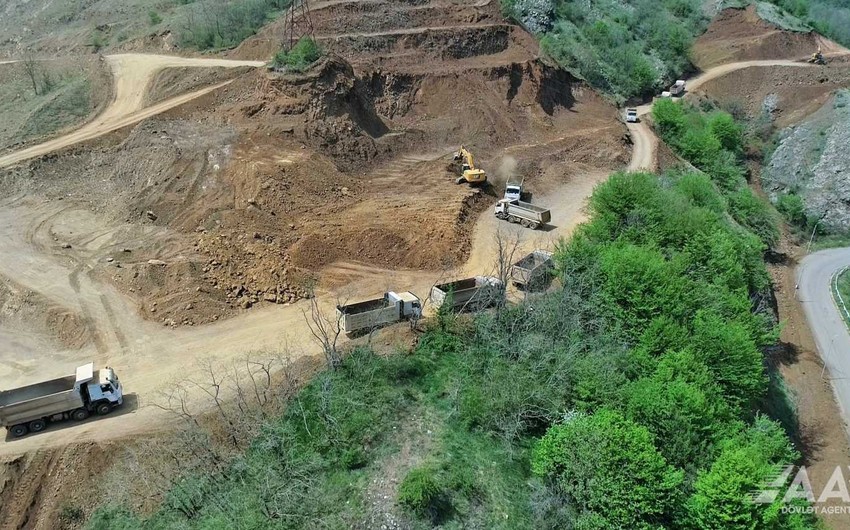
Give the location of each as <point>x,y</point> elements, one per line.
<point>154,18</point>
<point>791,206</point>
<point>71,514</point>
<point>300,57</point>
<point>728,133</point>
<point>98,40</point>
<point>419,491</point>
<point>608,466</point>
<point>754,213</point>
<point>226,24</point>
<point>744,463</point>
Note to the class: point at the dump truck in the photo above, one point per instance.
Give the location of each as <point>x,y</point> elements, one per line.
<point>677,89</point>
<point>631,116</point>
<point>30,408</point>
<point>533,271</point>
<point>469,294</point>
<point>524,213</point>
<point>513,190</point>
<point>392,307</point>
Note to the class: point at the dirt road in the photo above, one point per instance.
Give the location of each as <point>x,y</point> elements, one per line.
<point>132,75</point>
<point>150,355</point>
<point>815,276</point>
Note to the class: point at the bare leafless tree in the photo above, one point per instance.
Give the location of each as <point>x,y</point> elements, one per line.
<point>33,70</point>
<point>507,246</point>
<point>326,329</point>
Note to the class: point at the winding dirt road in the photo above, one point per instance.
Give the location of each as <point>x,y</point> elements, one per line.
<point>132,75</point>
<point>149,355</point>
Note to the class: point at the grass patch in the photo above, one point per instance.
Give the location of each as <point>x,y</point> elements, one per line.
<point>64,107</point>
<point>299,58</point>
<point>841,288</point>
<point>781,18</point>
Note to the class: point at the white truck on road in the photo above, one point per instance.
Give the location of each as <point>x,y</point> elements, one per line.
<point>469,294</point>
<point>371,314</point>
<point>524,213</point>
<point>31,408</point>
<point>513,190</point>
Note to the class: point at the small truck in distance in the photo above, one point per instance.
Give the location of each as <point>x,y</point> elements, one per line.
<point>524,213</point>
<point>533,271</point>
<point>470,294</point>
<point>30,408</point>
<point>631,115</point>
<point>392,307</point>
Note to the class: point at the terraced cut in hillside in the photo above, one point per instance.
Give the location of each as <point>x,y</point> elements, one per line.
<point>213,217</point>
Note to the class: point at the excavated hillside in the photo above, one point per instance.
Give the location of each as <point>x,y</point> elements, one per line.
<point>742,35</point>
<point>242,196</point>
<point>774,82</point>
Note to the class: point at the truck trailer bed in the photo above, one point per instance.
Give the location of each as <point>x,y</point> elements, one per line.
<point>38,390</point>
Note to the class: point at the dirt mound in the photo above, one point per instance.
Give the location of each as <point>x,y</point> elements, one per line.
<point>741,35</point>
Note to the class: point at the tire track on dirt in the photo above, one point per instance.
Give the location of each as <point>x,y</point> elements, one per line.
<point>165,352</point>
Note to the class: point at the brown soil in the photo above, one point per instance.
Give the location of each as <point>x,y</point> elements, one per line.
<point>261,185</point>
<point>41,490</point>
<point>799,91</point>
<point>170,82</point>
<point>741,35</point>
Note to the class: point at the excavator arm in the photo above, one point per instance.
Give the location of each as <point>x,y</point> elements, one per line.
<point>469,173</point>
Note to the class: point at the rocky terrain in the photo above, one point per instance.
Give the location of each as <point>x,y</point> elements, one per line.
<point>812,162</point>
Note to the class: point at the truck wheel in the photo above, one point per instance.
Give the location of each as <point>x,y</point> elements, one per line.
<point>18,430</point>
<point>37,425</point>
<point>103,409</point>
<point>79,414</point>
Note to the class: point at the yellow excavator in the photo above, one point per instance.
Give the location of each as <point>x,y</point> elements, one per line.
<point>817,57</point>
<point>469,173</point>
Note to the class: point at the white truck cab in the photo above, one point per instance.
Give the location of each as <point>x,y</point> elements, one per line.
<point>513,190</point>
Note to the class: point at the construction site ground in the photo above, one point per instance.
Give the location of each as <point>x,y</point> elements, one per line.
<point>188,220</point>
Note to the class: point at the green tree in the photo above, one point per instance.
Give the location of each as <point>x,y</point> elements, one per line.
<point>729,350</point>
<point>608,466</point>
<point>721,498</point>
<point>669,118</point>
<point>727,132</point>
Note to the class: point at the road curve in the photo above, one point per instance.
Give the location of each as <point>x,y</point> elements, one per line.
<point>132,74</point>
<point>814,290</point>
<point>152,354</point>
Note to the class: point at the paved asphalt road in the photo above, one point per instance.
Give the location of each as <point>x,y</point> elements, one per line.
<point>814,277</point>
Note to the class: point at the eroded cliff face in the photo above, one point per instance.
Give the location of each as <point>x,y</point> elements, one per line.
<point>813,162</point>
